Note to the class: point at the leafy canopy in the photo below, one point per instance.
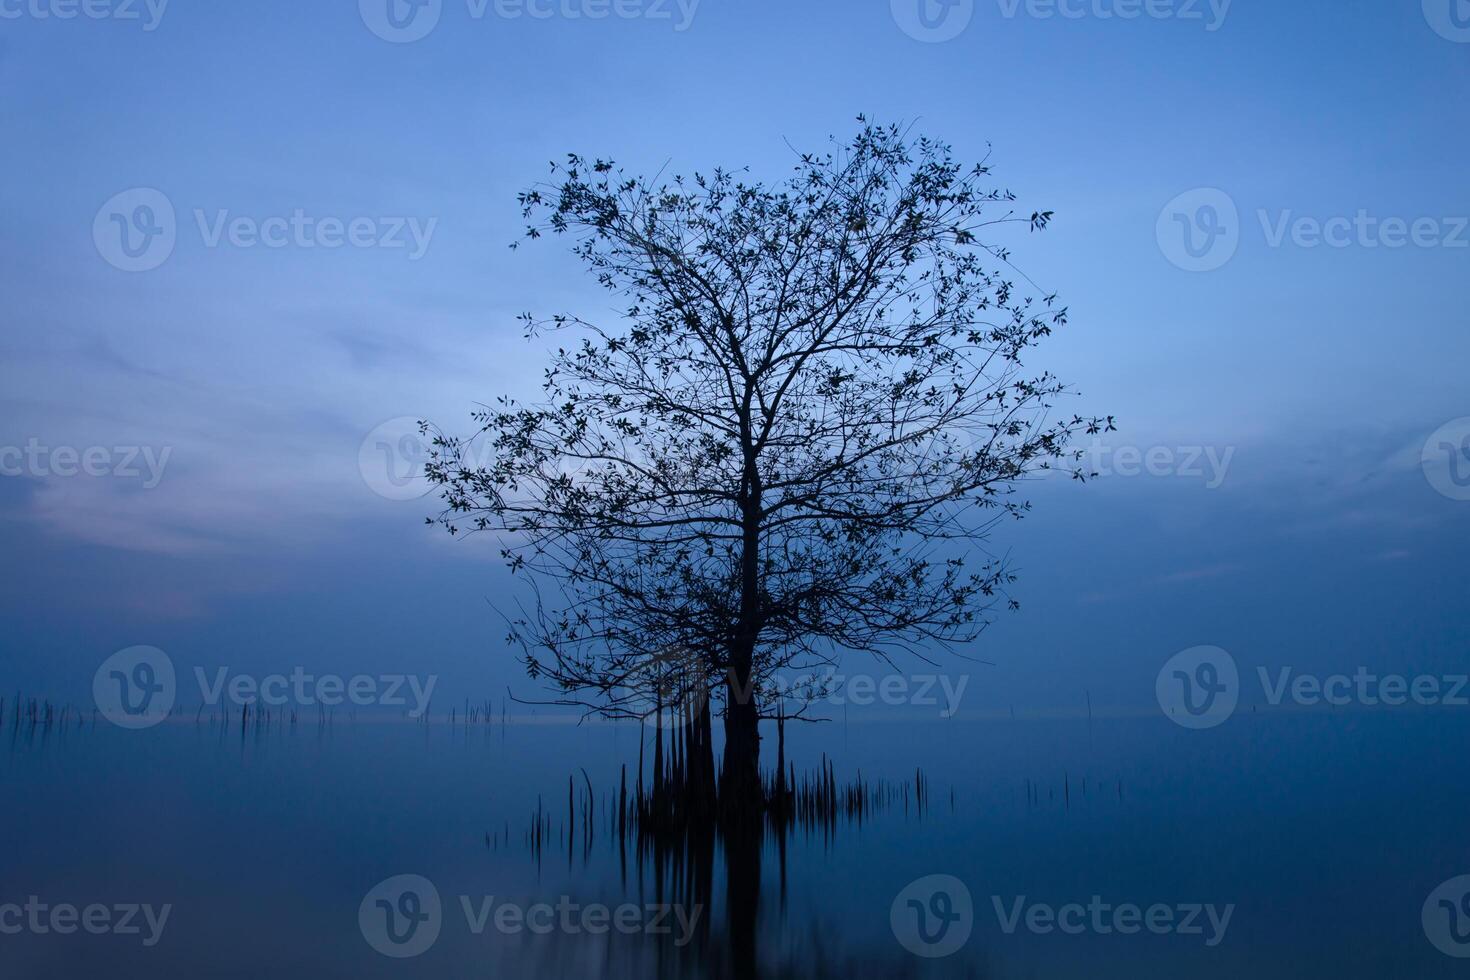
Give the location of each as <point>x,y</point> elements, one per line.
<point>794,441</point>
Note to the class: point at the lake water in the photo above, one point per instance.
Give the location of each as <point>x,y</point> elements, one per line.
<point>1278,845</point>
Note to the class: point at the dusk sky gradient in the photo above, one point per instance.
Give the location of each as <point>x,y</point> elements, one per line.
<point>1321,371</point>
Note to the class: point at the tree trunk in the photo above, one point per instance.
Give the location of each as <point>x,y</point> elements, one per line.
<point>740,785</point>
<point>702,759</point>
<point>740,782</point>
<point>781,761</point>
<point>742,899</point>
<point>658,753</point>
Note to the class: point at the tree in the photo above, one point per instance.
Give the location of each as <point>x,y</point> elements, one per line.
<point>791,447</point>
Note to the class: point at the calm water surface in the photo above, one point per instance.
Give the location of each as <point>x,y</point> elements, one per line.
<point>1323,834</point>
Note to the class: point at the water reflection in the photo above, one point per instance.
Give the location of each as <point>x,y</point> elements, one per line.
<point>1326,832</point>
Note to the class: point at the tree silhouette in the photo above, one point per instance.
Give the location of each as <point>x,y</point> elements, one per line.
<point>792,446</point>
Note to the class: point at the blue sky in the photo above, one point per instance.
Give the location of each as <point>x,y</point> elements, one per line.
<point>1320,370</point>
